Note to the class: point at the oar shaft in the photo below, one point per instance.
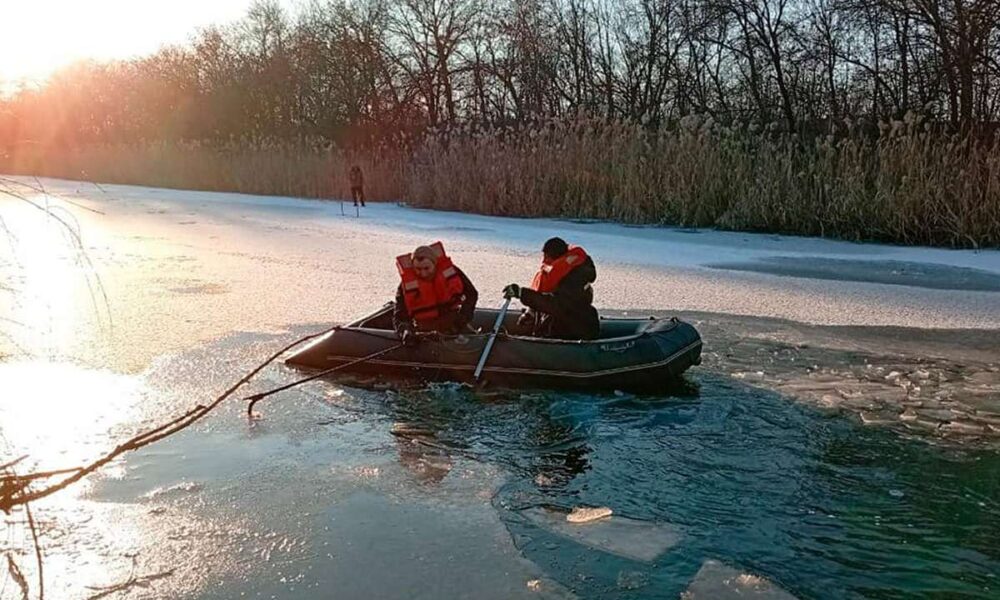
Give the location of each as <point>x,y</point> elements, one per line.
<point>492,340</point>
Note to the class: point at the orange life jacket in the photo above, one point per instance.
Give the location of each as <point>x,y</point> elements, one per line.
<point>426,299</point>
<point>552,272</point>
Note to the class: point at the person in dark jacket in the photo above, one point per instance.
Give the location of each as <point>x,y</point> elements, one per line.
<point>560,299</point>
<point>357,180</point>
<point>433,296</point>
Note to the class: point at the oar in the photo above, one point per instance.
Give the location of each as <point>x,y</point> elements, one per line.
<point>493,338</point>
<point>258,397</point>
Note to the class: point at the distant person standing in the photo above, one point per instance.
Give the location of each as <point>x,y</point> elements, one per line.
<point>357,180</point>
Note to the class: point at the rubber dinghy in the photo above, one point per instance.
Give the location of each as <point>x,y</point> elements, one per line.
<point>642,355</point>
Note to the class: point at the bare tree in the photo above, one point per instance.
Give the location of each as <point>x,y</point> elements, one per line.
<point>349,70</point>
<point>429,33</point>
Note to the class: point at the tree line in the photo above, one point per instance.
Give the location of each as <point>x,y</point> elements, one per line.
<point>346,71</point>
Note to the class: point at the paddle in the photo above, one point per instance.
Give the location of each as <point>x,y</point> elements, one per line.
<point>493,338</point>
<point>258,397</point>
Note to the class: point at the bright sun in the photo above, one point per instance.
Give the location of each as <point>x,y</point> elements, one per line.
<point>39,36</point>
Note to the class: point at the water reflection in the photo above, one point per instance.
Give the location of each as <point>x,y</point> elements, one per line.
<point>434,424</point>
<point>786,492</point>
<point>811,501</point>
<point>62,415</point>
<point>51,293</point>
<point>420,453</point>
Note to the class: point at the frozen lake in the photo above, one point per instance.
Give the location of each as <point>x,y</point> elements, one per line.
<point>837,378</point>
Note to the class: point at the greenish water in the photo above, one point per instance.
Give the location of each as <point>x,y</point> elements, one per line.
<point>823,507</point>
<point>354,491</point>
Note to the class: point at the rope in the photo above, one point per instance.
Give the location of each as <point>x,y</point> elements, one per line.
<point>254,399</point>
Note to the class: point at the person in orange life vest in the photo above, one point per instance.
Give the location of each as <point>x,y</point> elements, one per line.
<point>560,299</point>
<point>434,295</point>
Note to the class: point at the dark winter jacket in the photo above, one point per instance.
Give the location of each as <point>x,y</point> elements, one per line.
<point>568,312</point>
<point>356,178</point>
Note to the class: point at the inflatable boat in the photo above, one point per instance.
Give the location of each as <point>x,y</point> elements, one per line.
<point>641,355</point>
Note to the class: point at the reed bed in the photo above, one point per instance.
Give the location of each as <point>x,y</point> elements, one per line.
<point>904,184</point>
<point>274,169</point>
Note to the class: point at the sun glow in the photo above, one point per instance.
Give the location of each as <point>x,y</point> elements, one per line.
<point>50,290</point>
<point>50,408</point>
<point>40,36</point>
<point>62,415</point>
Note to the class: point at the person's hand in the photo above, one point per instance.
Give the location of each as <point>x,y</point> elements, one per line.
<point>409,338</point>
<point>512,291</point>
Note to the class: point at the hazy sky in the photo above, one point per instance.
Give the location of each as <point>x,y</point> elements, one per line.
<point>38,36</point>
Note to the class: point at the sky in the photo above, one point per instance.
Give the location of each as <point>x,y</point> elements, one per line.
<point>39,36</point>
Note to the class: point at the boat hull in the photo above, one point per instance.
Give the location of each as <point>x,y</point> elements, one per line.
<point>651,357</point>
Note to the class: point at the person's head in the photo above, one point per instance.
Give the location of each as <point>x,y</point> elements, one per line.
<point>554,248</point>
<point>424,262</point>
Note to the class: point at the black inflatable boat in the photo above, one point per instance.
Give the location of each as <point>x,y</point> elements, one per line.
<point>631,354</point>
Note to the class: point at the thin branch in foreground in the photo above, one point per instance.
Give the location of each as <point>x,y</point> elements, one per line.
<point>13,488</point>
<point>77,241</point>
<point>132,581</point>
<point>12,568</point>
<point>41,190</point>
<point>18,577</point>
<point>38,551</point>
<point>10,464</point>
<point>141,581</point>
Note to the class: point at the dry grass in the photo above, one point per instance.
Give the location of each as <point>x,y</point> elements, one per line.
<point>908,186</point>
<point>277,169</point>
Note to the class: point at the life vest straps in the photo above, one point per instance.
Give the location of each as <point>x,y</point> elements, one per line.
<point>427,299</point>
<point>551,273</point>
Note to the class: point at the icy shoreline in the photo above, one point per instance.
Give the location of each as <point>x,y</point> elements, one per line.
<point>640,268</point>
<point>181,268</point>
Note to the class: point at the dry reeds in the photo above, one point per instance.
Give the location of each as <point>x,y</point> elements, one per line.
<point>275,169</point>
<point>907,184</point>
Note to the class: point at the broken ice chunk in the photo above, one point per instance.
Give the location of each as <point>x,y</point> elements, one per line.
<point>638,540</point>
<point>546,589</point>
<point>716,581</point>
<point>410,430</point>
<point>585,514</point>
<point>632,580</point>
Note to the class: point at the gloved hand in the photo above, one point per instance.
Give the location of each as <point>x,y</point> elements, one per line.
<point>409,338</point>
<point>512,291</point>
<point>526,323</point>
